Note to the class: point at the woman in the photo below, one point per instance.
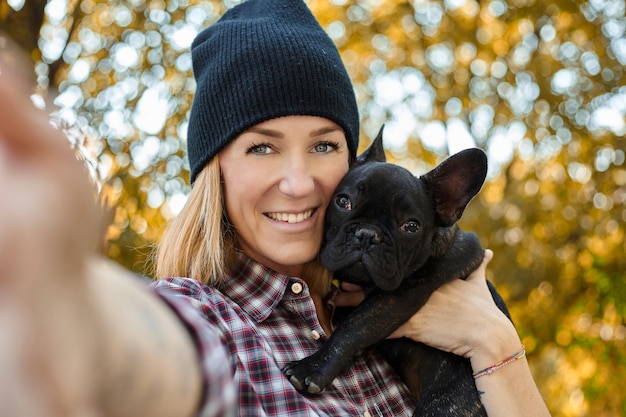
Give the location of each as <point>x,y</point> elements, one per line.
<point>273,128</point>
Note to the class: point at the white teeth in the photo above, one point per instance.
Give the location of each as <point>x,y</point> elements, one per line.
<point>290,217</point>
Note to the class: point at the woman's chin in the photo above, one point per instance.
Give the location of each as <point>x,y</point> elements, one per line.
<point>290,261</point>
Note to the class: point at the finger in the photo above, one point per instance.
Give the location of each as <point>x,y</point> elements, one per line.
<point>398,333</point>
<point>15,63</point>
<point>24,128</point>
<point>349,299</point>
<point>350,287</point>
<point>481,272</point>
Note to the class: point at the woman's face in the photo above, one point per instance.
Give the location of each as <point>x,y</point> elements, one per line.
<point>278,179</point>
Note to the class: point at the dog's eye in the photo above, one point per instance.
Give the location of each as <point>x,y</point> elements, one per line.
<point>343,202</point>
<point>410,227</point>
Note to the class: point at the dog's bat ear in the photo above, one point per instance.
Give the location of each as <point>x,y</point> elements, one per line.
<point>454,183</point>
<point>375,152</point>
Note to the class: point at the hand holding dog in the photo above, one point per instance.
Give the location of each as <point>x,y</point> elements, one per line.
<point>455,318</point>
<point>461,317</point>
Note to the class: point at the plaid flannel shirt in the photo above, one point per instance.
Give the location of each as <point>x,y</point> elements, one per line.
<point>266,320</point>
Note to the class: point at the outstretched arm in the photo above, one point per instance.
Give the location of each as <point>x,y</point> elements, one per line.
<point>79,336</point>
<point>461,317</point>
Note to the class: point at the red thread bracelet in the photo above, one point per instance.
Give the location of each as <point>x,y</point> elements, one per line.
<point>517,355</point>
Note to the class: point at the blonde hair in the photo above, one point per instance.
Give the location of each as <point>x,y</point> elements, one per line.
<point>200,242</point>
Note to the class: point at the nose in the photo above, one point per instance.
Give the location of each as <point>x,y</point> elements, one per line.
<point>297,179</point>
<point>368,235</point>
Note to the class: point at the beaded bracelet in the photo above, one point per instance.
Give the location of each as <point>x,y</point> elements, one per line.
<point>517,355</point>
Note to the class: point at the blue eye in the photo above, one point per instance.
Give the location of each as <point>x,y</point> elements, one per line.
<point>260,149</point>
<point>343,202</point>
<point>325,147</point>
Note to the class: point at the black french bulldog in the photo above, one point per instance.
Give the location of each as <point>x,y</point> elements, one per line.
<point>396,235</point>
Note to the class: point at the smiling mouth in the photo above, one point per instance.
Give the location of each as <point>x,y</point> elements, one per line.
<point>291,217</point>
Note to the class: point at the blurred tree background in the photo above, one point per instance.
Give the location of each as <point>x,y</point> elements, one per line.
<point>538,84</point>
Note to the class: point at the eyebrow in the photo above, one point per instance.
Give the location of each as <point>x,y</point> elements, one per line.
<point>280,135</point>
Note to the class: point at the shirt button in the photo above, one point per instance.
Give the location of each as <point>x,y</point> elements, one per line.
<point>315,335</point>
<point>296,288</point>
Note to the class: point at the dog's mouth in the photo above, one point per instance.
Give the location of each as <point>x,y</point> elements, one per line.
<point>362,267</point>
<point>291,217</point>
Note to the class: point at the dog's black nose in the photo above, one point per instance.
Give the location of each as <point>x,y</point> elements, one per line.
<point>365,234</point>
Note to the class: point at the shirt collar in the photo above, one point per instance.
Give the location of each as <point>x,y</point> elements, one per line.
<point>255,288</point>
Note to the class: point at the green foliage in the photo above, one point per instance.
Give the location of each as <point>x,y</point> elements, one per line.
<point>538,84</point>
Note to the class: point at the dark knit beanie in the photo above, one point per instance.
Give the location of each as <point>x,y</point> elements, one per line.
<point>261,60</point>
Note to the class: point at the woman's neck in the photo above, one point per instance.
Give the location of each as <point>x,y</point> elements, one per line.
<point>323,313</point>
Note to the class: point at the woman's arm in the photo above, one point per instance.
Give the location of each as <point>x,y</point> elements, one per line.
<point>79,336</point>
<point>461,317</point>
<point>149,363</point>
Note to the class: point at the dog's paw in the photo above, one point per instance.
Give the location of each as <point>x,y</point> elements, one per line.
<point>306,376</point>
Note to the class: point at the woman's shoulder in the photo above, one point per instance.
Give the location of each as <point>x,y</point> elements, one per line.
<point>198,292</point>
<point>212,303</point>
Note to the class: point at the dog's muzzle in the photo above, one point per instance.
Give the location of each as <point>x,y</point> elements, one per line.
<point>368,235</point>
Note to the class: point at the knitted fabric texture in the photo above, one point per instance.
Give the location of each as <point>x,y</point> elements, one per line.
<point>261,60</point>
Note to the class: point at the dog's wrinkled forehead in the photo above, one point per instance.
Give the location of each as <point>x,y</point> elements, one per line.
<point>379,190</point>
<point>380,176</point>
